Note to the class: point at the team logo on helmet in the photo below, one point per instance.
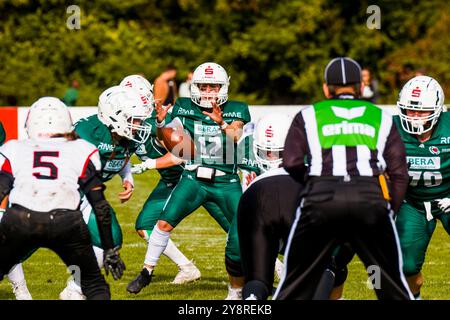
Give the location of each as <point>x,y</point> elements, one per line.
<point>416,92</point>
<point>209,71</point>
<point>269,132</point>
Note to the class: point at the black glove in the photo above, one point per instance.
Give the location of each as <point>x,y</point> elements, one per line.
<point>112,262</point>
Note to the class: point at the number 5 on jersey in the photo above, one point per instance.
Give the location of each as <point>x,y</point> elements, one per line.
<point>39,163</point>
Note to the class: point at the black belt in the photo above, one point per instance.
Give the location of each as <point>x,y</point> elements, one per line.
<point>52,212</point>
<point>342,179</point>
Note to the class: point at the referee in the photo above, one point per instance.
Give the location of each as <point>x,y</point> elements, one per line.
<point>341,148</point>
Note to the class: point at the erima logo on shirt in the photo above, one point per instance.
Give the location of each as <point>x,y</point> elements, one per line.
<point>185,112</point>
<point>348,128</point>
<point>105,146</point>
<point>348,114</point>
<point>424,162</point>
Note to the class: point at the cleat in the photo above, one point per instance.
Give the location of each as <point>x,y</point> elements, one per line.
<point>141,281</point>
<point>20,290</point>
<point>234,293</point>
<point>72,292</point>
<point>188,273</point>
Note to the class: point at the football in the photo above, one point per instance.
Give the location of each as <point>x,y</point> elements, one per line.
<point>179,143</point>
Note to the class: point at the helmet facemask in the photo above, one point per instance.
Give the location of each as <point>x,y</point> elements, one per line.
<point>418,125</point>
<point>420,94</point>
<point>205,98</point>
<point>268,157</point>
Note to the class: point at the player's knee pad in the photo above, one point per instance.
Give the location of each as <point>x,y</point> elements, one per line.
<point>255,289</point>
<point>234,268</point>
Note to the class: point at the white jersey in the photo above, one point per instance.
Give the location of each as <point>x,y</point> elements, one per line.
<point>46,171</point>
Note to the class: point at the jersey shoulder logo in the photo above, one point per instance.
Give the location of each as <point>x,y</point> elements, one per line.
<point>348,114</point>
<point>182,111</point>
<point>434,150</point>
<point>105,146</point>
<point>232,114</point>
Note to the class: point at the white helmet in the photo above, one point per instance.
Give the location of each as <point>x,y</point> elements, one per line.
<point>143,86</point>
<point>211,73</point>
<point>46,117</point>
<point>269,136</point>
<point>122,110</point>
<point>421,93</point>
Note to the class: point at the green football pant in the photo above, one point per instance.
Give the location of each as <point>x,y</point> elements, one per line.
<point>153,207</point>
<point>415,234</point>
<point>91,221</point>
<point>191,193</point>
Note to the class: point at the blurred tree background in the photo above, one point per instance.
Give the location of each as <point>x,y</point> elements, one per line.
<point>274,51</point>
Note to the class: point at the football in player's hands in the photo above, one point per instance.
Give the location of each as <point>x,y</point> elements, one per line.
<point>179,143</point>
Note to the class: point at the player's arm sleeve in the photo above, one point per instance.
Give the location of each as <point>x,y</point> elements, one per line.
<point>396,167</point>
<point>6,177</point>
<point>93,187</point>
<point>125,173</point>
<point>296,149</point>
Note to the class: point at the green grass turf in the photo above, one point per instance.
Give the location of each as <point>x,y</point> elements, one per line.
<point>200,238</point>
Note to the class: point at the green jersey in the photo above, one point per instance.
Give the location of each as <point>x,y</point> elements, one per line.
<point>245,157</point>
<point>429,164</point>
<point>152,149</point>
<point>2,134</point>
<point>113,155</point>
<point>215,148</point>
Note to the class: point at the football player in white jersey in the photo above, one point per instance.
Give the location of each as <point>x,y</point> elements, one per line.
<point>266,209</point>
<point>43,176</point>
<point>15,276</point>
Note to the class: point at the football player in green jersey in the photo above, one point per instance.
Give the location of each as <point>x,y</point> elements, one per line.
<point>154,156</point>
<point>117,131</point>
<point>15,276</point>
<point>425,130</point>
<point>215,124</point>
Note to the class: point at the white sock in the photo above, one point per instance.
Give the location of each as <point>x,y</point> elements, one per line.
<point>157,243</point>
<point>174,254</point>
<point>99,255</point>
<point>16,274</point>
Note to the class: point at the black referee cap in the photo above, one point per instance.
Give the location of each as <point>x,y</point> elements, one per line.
<point>342,71</point>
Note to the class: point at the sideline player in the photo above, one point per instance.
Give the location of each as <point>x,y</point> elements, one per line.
<point>43,176</point>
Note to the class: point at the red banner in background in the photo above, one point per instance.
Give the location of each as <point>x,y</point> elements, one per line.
<point>8,117</point>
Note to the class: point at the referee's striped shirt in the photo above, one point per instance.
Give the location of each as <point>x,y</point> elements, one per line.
<point>345,137</point>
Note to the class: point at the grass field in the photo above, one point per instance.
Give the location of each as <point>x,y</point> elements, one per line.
<point>201,239</point>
